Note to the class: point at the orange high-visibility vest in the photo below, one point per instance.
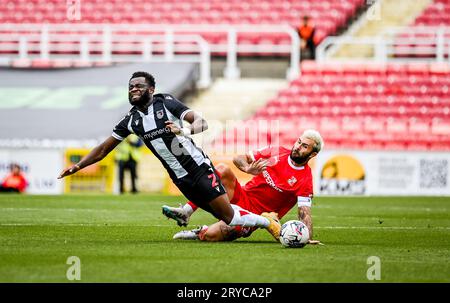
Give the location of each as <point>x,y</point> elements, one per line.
<point>306,31</point>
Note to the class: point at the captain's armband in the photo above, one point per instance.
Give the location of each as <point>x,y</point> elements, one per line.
<point>304,201</point>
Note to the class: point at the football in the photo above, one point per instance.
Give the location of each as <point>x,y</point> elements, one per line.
<point>294,233</point>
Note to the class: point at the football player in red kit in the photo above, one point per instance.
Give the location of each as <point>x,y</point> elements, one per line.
<point>282,178</point>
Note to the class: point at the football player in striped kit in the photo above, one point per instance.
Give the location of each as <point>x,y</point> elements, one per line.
<point>158,119</point>
<point>281,179</point>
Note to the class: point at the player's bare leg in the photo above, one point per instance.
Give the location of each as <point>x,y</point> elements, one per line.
<point>220,231</point>
<point>216,232</point>
<point>228,179</point>
<point>234,215</point>
<point>221,208</point>
<point>182,214</point>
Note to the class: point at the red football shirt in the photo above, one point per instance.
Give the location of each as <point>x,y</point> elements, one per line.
<point>15,181</point>
<point>281,185</point>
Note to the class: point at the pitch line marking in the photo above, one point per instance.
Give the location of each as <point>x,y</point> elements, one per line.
<point>171,225</point>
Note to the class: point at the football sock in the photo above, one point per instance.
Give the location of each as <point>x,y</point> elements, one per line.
<point>189,208</point>
<point>245,218</point>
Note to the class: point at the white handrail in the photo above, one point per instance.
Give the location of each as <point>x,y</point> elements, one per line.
<point>391,42</point>
<point>231,70</point>
<point>109,35</point>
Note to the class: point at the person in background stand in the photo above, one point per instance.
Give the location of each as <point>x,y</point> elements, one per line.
<point>15,181</point>
<point>128,155</point>
<point>306,32</point>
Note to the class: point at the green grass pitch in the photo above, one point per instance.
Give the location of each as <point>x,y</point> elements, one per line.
<point>127,239</point>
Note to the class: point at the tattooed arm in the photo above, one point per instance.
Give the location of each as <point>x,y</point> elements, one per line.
<point>304,215</point>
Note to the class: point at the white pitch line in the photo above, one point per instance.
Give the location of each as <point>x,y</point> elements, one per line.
<point>85,224</point>
<point>63,209</point>
<point>382,227</point>
<point>171,225</point>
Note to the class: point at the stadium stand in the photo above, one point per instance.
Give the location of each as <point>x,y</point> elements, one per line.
<point>329,16</point>
<point>379,19</point>
<point>421,37</point>
<point>436,14</point>
<point>367,106</point>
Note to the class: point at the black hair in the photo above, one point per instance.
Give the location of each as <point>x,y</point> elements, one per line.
<point>13,165</point>
<point>148,78</point>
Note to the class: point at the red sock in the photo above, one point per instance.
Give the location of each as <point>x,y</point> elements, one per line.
<point>194,207</point>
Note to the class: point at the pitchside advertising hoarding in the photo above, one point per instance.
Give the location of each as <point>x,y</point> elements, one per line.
<point>41,167</point>
<point>382,173</point>
<point>335,172</point>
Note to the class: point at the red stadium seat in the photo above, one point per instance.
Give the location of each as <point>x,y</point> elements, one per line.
<point>423,43</point>
<point>397,126</point>
<point>352,124</point>
<point>328,17</point>
<point>391,107</point>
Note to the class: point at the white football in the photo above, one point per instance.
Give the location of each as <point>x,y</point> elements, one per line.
<point>294,233</point>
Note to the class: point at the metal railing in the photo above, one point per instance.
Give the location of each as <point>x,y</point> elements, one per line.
<point>142,42</point>
<point>395,44</point>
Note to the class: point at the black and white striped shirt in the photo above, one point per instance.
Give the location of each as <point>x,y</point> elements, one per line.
<point>178,154</point>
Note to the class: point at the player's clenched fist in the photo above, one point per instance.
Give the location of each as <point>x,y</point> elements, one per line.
<point>174,128</point>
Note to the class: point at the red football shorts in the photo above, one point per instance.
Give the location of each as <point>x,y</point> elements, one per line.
<point>241,199</point>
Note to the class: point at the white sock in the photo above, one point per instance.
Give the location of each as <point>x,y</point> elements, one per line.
<point>187,209</point>
<point>245,218</point>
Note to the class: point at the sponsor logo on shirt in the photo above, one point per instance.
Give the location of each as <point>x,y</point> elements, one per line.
<point>160,114</point>
<point>269,181</point>
<point>292,180</point>
<point>154,134</point>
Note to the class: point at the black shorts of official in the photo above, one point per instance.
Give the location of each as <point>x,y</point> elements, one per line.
<point>201,190</point>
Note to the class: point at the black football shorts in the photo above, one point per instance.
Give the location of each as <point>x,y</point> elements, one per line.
<point>203,189</point>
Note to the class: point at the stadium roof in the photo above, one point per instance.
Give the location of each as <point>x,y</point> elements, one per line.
<point>75,107</point>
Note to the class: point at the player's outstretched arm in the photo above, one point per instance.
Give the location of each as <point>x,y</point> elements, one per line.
<point>304,215</point>
<point>247,165</point>
<point>97,154</point>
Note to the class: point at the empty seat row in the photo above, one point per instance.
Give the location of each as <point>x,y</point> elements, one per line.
<point>328,16</point>
<point>421,42</point>
<point>400,115</point>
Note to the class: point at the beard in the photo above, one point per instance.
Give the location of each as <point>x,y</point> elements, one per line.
<point>298,158</point>
<point>143,100</point>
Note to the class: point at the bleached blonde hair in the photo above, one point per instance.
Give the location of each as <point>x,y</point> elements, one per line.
<point>316,137</point>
